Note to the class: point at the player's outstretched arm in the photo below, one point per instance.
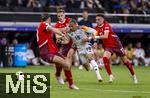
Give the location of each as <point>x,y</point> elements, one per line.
<point>65,40</point>
<point>86,39</point>
<point>88,29</point>
<point>104,36</point>
<point>54,30</point>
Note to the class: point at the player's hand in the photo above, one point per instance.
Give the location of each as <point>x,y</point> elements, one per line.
<point>90,38</point>
<point>95,46</point>
<point>58,41</point>
<point>63,34</point>
<point>85,39</point>
<point>67,29</point>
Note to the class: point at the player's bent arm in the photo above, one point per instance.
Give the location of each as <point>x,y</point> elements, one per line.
<point>55,30</point>
<point>58,36</point>
<point>62,39</point>
<point>105,36</point>
<point>89,30</point>
<point>65,40</point>
<point>65,29</point>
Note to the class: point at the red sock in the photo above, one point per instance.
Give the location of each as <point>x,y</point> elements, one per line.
<point>68,75</point>
<point>129,66</point>
<point>107,65</point>
<point>58,71</point>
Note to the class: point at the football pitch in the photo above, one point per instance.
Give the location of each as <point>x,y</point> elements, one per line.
<point>122,87</point>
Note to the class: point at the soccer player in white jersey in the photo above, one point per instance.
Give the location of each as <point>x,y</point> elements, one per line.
<point>83,47</point>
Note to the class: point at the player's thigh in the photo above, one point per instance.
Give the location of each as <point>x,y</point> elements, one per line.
<point>124,58</point>
<point>96,53</point>
<point>70,53</point>
<point>89,53</point>
<point>107,54</point>
<point>86,66</point>
<point>60,61</point>
<point>90,56</point>
<point>83,58</point>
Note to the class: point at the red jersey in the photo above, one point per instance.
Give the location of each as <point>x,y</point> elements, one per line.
<point>64,24</point>
<point>46,37</point>
<point>111,40</point>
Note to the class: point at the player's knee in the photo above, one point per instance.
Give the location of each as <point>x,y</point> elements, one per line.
<point>128,63</point>
<point>105,59</point>
<point>66,66</point>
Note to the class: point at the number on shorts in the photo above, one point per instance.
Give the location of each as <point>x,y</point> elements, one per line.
<point>122,50</point>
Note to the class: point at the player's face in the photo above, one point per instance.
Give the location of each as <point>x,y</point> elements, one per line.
<point>138,45</point>
<point>99,20</point>
<point>61,16</point>
<point>85,14</point>
<point>73,26</point>
<point>49,20</point>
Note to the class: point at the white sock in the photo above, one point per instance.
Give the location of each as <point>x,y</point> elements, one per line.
<point>96,69</point>
<point>101,63</point>
<point>91,67</point>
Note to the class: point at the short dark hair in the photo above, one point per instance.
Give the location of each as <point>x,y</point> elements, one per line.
<point>100,15</point>
<point>85,10</point>
<point>73,21</point>
<point>44,16</point>
<point>59,10</point>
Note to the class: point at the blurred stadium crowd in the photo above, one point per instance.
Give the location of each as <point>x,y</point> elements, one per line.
<point>135,53</point>
<point>110,6</point>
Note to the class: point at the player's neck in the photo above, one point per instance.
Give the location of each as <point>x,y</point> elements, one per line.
<point>62,21</point>
<point>46,22</point>
<point>101,25</point>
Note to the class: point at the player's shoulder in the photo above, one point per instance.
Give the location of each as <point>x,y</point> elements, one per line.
<point>68,19</point>
<point>85,28</point>
<point>106,23</point>
<point>142,49</point>
<point>57,24</point>
<point>43,24</point>
<point>96,27</point>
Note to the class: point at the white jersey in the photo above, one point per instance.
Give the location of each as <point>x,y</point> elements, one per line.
<point>139,52</point>
<point>83,48</point>
<point>77,36</point>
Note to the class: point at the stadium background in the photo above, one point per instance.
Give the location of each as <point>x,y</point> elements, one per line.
<point>130,18</point>
<point>19,19</point>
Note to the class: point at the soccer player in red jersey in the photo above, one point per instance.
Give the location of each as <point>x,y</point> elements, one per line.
<point>65,49</point>
<point>111,44</point>
<point>48,48</point>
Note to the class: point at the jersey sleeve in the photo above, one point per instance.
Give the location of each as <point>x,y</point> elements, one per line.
<point>107,27</point>
<point>56,25</point>
<point>68,19</point>
<point>91,31</point>
<point>88,29</point>
<point>45,26</point>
